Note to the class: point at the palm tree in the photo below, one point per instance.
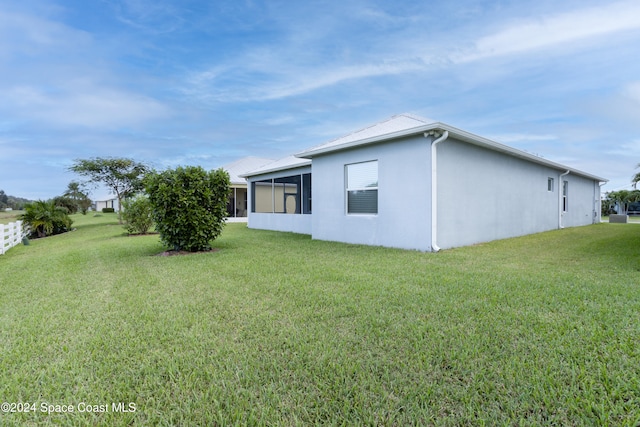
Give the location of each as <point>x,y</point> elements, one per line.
<point>45,218</point>
<point>78,196</point>
<point>636,177</point>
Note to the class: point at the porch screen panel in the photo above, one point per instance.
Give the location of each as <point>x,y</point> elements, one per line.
<point>287,194</point>
<point>262,196</point>
<point>306,193</point>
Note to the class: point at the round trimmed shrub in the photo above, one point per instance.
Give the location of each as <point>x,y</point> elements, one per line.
<point>189,206</point>
<point>137,215</point>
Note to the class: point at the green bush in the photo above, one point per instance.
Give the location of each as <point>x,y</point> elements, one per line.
<point>108,210</point>
<point>189,206</point>
<point>46,219</point>
<point>66,202</point>
<point>137,215</point>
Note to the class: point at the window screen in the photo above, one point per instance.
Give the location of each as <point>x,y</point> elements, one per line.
<point>362,188</point>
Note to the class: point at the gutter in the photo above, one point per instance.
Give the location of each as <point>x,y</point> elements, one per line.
<point>434,185</point>
<point>560,195</point>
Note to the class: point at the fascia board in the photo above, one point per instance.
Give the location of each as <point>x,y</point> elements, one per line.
<point>310,153</point>
<point>453,133</point>
<point>275,169</point>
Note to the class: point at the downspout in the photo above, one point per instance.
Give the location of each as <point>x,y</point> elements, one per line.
<point>599,205</point>
<point>560,195</point>
<point>434,187</point>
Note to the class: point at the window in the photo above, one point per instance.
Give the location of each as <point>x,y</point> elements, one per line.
<point>550,184</point>
<point>286,195</point>
<point>565,196</point>
<point>362,187</point>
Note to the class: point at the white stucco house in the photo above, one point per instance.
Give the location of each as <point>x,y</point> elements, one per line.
<point>113,203</point>
<point>238,201</point>
<point>414,183</point>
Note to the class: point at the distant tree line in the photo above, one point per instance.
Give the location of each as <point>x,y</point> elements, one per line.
<point>12,202</point>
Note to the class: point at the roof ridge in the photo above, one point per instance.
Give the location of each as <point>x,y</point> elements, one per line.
<point>388,119</point>
<point>414,117</point>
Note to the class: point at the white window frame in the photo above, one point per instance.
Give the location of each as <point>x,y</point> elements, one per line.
<point>550,184</point>
<point>350,189</point>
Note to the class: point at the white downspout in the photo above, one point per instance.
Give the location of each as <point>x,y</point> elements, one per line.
<point>560,195</point>
<point>599,205</point>
<point>434,187</point>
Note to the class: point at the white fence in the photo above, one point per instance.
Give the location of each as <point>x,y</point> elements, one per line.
<point>10,235</point>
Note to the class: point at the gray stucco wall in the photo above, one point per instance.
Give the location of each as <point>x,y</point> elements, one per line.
<point>485,195</point>
<point>295,223</point>
<point>404,203</point>
<point>583,201</point>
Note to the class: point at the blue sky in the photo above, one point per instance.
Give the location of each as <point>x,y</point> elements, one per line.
<point>195,82</point>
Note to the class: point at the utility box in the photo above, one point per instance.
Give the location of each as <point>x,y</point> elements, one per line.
<point>619,219</point>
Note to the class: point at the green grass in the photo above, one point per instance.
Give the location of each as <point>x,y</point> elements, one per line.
<point>278,329</point>
<point>10,216</point>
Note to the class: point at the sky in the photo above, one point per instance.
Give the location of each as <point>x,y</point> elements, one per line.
<point>203,82</point>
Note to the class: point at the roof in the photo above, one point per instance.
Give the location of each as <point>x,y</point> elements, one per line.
<point>244,165</point>
<point>404,125</point>
<point>289,162</point>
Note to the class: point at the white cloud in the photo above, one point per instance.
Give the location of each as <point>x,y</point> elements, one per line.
<point>632,91</point>
<point>272,78</point>
<point>27,34</point>
<point>88,106</point>
<point>627,149</point>
<point>153,16</point>
<point>295,67</point>
<point>556,30</point>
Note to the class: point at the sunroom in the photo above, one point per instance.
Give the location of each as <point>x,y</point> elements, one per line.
<point>280,196</point>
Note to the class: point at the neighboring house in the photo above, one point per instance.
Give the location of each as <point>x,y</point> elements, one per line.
<point>110,203</point>
<point>412,183</point>
<point>237,206</point>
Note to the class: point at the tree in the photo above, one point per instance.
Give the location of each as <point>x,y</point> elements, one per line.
<point>122,175</point>
<point>4,200</point>
<point>138,215</point>
<point>189,206</point>
<point>623,198</point>
<point>66,202</point>
<point>76,193</point>
<point>45,218</point>
<point>636,177</point>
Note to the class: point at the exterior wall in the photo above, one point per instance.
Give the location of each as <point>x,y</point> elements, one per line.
<point>281,222</point>
<point>583,201</point>
<point>112,203</point>
<point>291,222</point>
<point>404,202</point>
<point>485,195</point>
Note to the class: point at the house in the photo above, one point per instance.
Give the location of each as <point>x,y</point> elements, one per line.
<point>237,206</point>
<point>109,203</point>
<point>414,183</point>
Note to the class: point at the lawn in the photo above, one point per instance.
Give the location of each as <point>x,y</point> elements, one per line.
<point>10,216</point>
<point>278,329</point>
